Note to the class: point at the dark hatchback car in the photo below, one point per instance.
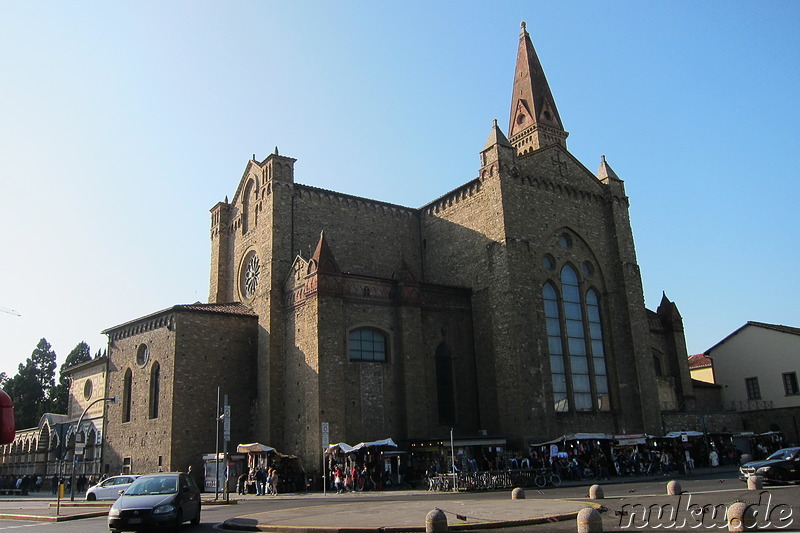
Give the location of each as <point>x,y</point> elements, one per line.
<point>781,466</point>
<point>156,500</point>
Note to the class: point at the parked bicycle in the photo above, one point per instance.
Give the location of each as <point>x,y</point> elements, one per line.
<point>546,476</point>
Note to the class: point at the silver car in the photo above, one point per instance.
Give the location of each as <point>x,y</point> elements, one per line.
<point>109,488</point>
<point>156,500</point>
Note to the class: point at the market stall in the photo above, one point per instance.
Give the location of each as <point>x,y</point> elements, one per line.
<point>262,457</point>
<point>363,467</point>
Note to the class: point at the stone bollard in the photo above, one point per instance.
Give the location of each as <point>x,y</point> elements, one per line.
<point>741,517</point>
<point>436,522</point>
<point>517,494</point>
<point>755,483</point>
<point>596,492</point>
<point>589,521</point>
<point>673,488</point>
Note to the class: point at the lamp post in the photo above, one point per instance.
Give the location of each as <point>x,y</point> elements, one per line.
<point>113,399</point>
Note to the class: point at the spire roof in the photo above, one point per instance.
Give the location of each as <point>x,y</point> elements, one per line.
<point>605,171</point>
<point>496,136</point>
<point>323,261</point>
<point>533,109</point>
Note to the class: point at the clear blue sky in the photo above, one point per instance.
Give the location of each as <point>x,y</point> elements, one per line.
<point>123,123</point>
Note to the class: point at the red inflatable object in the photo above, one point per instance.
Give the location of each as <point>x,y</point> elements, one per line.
<point>7,428</point>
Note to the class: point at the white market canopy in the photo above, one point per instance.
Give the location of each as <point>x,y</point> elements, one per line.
<point>678,434</point>
<point>576,436</point>
<point>346,448</point>
<point>254,447</point>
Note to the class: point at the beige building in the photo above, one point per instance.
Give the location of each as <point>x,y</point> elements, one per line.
<point>701,368</point>
<point>510,307</point>
<point>757,366</point>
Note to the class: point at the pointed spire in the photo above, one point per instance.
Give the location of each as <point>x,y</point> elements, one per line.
<point>323,261</point>
<point>605,172</point>
<point>496,136</point>
<point>534,121</point>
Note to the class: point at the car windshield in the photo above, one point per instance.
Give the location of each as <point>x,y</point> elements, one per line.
<point>784,455</point>
<point>153,485</point>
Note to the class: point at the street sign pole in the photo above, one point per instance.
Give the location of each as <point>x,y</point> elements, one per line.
<point>326,441</point>
<point>226,436</point>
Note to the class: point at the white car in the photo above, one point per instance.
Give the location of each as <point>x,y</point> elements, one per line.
<point>109,488</point>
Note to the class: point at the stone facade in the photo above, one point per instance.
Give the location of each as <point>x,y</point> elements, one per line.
<point>511,306</point>
<point>166,368</point>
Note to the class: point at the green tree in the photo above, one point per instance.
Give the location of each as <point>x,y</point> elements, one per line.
<point>60,397</point>
<point>32,387</point>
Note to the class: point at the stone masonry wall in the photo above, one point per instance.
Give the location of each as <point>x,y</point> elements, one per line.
<point>195,351</point>
<point>143,441</point>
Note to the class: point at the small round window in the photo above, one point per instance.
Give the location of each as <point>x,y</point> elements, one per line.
<point>87,389</point>
<point>142,355</point>
<point>548,262</point>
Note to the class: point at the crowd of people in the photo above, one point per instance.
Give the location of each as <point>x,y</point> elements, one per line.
<point>358,477</point>
<point>599,460</point>
<point>28,483</point>
<point>265,481</point>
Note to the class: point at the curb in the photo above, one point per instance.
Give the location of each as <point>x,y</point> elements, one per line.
<point>59,518</point>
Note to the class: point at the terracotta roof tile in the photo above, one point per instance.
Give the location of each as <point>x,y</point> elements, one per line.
<point>699,361</point>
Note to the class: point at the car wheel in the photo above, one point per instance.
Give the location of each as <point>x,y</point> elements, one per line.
<point>178,521</point>
<point>780,476</point>
<point>91,497</point>
<point>196,519</point>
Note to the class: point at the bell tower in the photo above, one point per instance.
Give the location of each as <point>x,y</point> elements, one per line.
<point>534,122</point>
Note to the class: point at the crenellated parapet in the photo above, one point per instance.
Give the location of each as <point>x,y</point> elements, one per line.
<point>357,203</point>
<point>454,197</point>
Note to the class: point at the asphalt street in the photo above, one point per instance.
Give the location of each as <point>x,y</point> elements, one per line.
<point>632,505</point>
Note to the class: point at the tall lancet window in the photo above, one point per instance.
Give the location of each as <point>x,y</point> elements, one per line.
<point>598,351</point>
<point>558,370</point>
<point>576,340</point>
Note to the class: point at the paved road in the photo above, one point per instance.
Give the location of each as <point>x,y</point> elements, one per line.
<point>630,507</point>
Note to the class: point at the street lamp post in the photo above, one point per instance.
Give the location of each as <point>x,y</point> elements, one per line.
<point>113,399</point>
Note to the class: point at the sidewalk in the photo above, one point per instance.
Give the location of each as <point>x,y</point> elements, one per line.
<point>408,510</point>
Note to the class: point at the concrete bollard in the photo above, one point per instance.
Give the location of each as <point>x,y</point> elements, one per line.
<point>589,521</point>
<point>741,517</point>
<point>673,488</point>
<point>517,494</point>
<point>436,522</point>
<point>596,492</point>
<point>755,483</point>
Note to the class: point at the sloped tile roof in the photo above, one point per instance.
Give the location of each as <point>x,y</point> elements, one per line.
<point>699,361</point>
<point>233,308</point>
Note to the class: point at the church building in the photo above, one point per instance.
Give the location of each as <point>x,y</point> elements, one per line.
<point>511,306</point>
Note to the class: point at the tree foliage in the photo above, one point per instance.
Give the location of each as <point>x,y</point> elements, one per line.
<point>33,386</point>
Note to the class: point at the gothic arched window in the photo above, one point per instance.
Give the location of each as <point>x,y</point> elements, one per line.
<point>558,370</point>
<point>155,389</point>
<point>577,363</point>
<point>598,351</point>
<point>126,396</point>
